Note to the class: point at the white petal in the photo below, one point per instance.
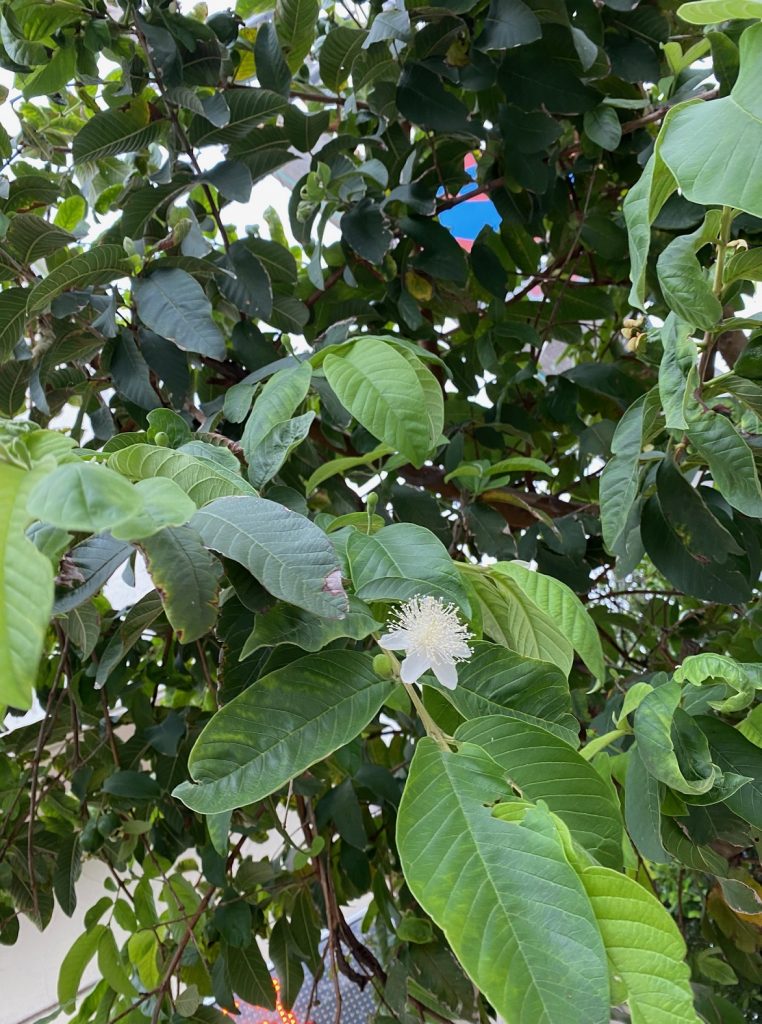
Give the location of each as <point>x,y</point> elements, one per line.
<point>461,650</point>
<point>446,673</point>
<point>414,666</point>
<point>397,640</point>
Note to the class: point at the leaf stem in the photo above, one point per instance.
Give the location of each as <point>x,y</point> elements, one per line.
<point>601,742</point>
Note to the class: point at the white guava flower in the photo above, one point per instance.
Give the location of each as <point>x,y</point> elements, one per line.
<point>433,637</point>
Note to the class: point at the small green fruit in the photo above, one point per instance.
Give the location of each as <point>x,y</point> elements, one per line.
<point>382,666</point>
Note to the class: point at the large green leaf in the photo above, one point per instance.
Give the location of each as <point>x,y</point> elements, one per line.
<point>279,726</point>
<point>730,458</point>
<point>26,590</point>
<point>85,497</point>
<point>296,24</point>
<point>510,904</point>
<point>641,207</point>
<point>249,975</point>
<point>642,808</point>
<point>74,963</point>
<point>277,401</point>
<point>670,743</point>
<point>620,478</point>
<point>543,767</point>
<point>201,479</point>
<point>646,951</point>
<point>164,504</point>
<point>714,150</point>
<point>12,319</point>
<point>733,752</point>
<point>112,132</point>
<point>401,561</point>
<point>290,556</point>
<point>494,680</point>
<point>187,578</point>
<point>97,266</point>
<point>510,618</point>
<point>380,388</point>
<point>284,624</point>
<point>565,609</point>
<point>173,304</point>
<point>276,446</point>
<point>711,12</point>
<point>340,47</point>
<point>31,238</point>
<point>684,283</point>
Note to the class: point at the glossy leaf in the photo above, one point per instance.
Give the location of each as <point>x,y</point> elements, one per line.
<point>173,304</point>
<point>483,885</point>
<point>279,726</point>
<point>187,578</point>
<point>544,767</point>
<point>287,553</point>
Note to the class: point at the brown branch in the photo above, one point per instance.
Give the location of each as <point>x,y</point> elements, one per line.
<point>660,112</point>
<point>480,190</point>
<point>166,981</point>
<point>330,281</point>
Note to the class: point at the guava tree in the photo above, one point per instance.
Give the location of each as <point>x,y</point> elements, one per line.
<point>452,548</point>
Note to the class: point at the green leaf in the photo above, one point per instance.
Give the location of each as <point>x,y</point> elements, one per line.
<point>74,963</point>
<point>641,207</point>
<point>272,70</point>
<point>164,504</point>
<point>642,808</point>
<point>646,952</point>
<point>138,619</point>
<point>201,479</point>
<point>248,108</point>
<point>12,319</point>
<point>249,975</point>
<point>38,19</point>
<point>515,621</point>
<point>714,150</point>
<point>111,967</point>
<point>96,560</point>
<point>676,362</point>
<point>276,446</point>
<point>403,560</point>
<point>603,127</point>
<point>53,76</point>
<point>173,304</point>
<point>366,230</point>
<point>296,23</point>
<point>683,281</point>
<point>481,879</point>
<point>544,767</point>
<point>729,457</point>
<point>711,12</point>
<point>287,964</point>
<point>97,266</point>
<point>335,466</point>
<point>563,606</point>
<point>495,680</point>
<point>284,624</point>
<point>277,401</point>
<point>733,752</point>
<point>340,47</point>
<point>290,556</point>
<point>112,132</point>
<point>67,872</point>
<point>621,476</point>
<point>507,23</point>
<point>283,723</point>
<point>31,238</point>
<point>423,99</point>
<point>187,578</point>
<point>380,388</point>
<point>660,742</point>
<point>85,497</point>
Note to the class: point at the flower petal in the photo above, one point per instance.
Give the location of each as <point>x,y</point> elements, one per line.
<point>414,666</point>
<point>446,673</point>
<point>397,640</point>
<point>461,650</point>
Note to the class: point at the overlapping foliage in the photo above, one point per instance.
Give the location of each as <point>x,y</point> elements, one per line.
<point>296,427</point>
